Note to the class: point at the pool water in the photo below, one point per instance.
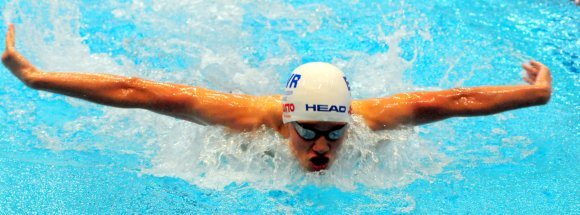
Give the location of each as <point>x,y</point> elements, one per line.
<point>65,156</point>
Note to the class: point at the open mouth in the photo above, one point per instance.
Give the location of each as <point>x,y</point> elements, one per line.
<point>319,162</point>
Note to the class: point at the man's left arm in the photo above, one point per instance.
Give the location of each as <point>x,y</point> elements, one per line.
<point>426,107</point>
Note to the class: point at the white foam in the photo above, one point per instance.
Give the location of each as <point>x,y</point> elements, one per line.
<point>212,157</point>
<point>211,37</point>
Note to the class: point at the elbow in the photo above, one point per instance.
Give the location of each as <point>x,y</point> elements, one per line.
<point>130,92</point>
<point>131,86</point>
<point>460,102</point>
<point>131,82</point>
<point>143,94</point>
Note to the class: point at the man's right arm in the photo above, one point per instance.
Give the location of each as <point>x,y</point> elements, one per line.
<point>203,106</point>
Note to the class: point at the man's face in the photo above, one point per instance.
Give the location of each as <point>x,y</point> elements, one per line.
<point>318,152</point>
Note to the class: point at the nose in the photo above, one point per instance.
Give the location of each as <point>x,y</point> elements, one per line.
<point>321,146</point>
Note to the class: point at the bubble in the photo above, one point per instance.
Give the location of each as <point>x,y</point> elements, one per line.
<point>213,44</point>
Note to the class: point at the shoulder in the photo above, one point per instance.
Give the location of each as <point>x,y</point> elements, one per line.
<point>271,107</point>
<point>385,113</point>
<point>364,108</point>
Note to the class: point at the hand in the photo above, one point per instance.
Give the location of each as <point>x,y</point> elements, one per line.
<point>14,61</point>
<point>538,74</point>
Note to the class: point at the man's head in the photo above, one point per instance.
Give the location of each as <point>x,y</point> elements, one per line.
<point>316,112</point>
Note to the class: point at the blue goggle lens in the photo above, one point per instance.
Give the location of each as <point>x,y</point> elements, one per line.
<point>309,134</point>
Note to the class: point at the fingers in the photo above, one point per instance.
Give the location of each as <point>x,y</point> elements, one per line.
<point>529,80</point>
<point>542,69</point>
<point>10,37</point>
<point>537,64</point>
<point>538,74</point>
<point>531,71</point>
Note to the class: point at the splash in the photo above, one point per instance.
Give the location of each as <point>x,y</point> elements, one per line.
<point>382,160</point>
<point>210,44</point>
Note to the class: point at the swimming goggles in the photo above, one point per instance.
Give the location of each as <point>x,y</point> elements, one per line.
<point>310,134</point>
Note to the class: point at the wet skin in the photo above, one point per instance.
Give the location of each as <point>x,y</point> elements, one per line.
<point>317,154</point>
<point>246,113</point>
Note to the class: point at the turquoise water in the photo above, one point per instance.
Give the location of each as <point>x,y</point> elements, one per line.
<point>61,155</point>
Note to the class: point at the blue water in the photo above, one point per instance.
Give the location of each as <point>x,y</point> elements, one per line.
<point>65,156</point>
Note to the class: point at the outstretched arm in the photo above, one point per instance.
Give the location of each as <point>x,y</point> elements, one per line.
<point>425,107</point>
<point>203,106</point>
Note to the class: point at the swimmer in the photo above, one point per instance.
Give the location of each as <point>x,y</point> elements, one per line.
<point>313,114</point>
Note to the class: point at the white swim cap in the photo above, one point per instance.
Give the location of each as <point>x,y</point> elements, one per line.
<point>316,92</point>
